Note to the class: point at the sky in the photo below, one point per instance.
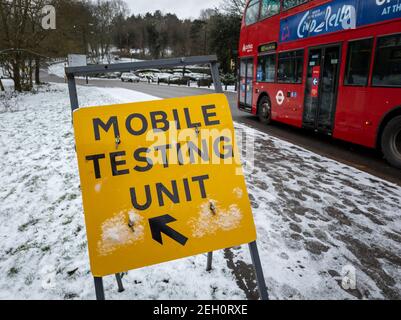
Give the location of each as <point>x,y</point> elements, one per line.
<point>182,8</point>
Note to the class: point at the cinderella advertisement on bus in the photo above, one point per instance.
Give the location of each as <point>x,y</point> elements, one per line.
<point>338,15</point>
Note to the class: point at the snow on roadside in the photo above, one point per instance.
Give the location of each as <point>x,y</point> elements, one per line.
<point>126,96</point>
<point>318,221</point>
<point>8,84</point>
<point>43,252</point>
<point>57,69</point>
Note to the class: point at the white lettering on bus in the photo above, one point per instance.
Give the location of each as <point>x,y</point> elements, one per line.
<point>345,16</point>
<point>247,47</point>
<point>381,2</point>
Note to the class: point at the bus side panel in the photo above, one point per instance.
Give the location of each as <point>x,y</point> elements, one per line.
<point>291,110</point>
<point>351,117</point>
<point>286,99</point>
<point>360,112</point>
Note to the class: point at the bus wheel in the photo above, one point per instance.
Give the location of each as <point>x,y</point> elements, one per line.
<point>264,110</point>
<point>391,142</point>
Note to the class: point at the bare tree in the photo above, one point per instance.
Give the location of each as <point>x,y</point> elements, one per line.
<point>234,7</point>
<point>106,13</point>
<point>206,14</point>
<point>21,37</point>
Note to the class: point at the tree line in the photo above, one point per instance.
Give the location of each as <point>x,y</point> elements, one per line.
<point>101,28</point>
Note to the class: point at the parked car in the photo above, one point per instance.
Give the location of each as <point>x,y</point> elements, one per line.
<point>164,76</point>
<point>129,77</point>
<point>114,75</point>
<point>147,75</point>
<point>168,78</point>
<point>193,76</point>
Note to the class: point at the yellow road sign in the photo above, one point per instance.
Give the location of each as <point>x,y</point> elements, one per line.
<point>161,180</point>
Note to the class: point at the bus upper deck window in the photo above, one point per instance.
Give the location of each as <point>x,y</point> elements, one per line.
<point>269,8</point>
<point>288,4</point>
<point>252,12</point>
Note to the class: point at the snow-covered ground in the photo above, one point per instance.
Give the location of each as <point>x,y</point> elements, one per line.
<point>319,220</point>
<point>316,219</point>
<point>8,84</point>
<point>57,69</point>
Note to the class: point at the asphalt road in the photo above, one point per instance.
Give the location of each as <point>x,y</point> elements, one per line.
<point>365,159</point>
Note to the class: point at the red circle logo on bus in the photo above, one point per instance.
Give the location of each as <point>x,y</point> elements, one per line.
<point>280,97</point>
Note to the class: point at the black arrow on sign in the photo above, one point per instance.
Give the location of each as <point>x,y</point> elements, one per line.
<point>158,226</point>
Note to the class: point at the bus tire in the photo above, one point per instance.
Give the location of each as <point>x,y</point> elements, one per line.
<point>264,110</point>
<point>391,142</point>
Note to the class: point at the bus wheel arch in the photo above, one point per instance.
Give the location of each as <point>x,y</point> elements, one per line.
<point>264,108</point>
<point>389,137</point>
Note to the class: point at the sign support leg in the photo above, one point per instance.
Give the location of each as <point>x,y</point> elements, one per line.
<point>214,67</point>
<point>259,271</point>
<point>99,289</point>
<point>119,282</point>
<point>72,88</point>
<point>209,261</point>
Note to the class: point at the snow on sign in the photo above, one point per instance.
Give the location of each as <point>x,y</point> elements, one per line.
<point>161,180</point>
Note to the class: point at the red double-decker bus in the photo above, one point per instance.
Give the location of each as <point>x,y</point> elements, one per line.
<point>330,66</point>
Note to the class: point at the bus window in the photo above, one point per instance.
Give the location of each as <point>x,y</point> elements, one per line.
<point>252,12</point>
<point>266,68</point>
<point>269,8</point>
<point>387,70</point>
<point>246,85</point>
<point>359,53</point>
<point>290,67</point>
<point>288,4</point>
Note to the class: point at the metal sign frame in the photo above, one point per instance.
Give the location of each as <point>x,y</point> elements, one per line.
<point>72,72</point>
